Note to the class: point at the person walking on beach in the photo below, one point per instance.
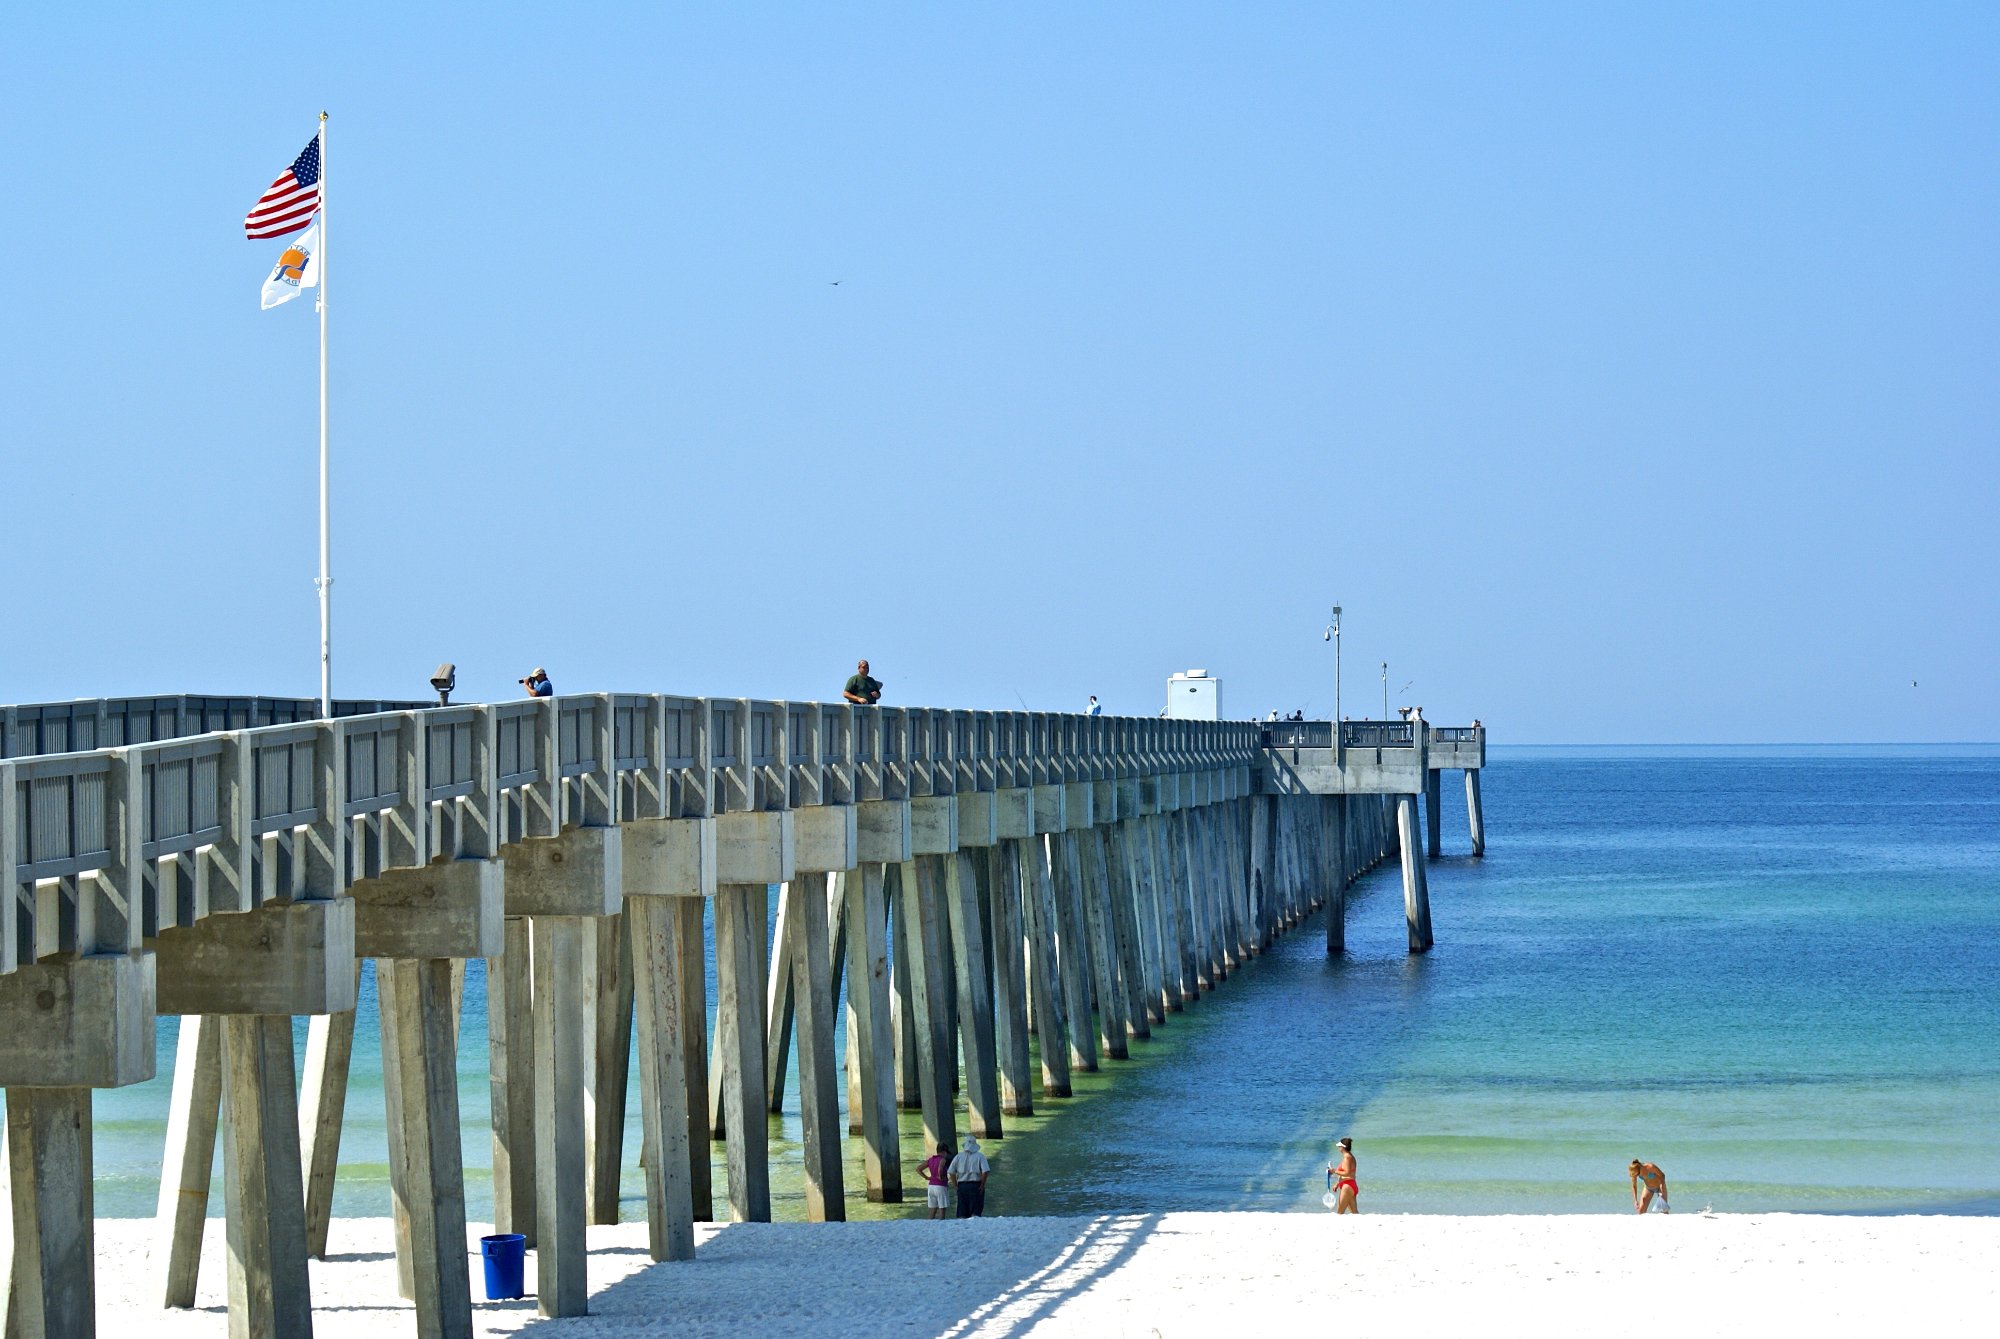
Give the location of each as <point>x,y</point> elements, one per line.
<point>1346,1190</point>
<point>1656,1184</point>
<point>968,1172</point>
<point>862,690</point>
<point>935,1175</point>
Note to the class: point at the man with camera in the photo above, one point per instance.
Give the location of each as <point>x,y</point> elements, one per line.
<point>862,690</point>
<point>537,683</point>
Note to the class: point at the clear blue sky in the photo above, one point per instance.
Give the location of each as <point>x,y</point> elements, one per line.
<point>1627,374</point>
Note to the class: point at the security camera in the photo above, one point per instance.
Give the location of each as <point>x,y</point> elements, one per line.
<point>444,679</point>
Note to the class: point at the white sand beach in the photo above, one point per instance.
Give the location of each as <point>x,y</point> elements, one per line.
<point>1181,1274</point>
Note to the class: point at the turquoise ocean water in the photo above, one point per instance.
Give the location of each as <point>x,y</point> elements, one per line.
<point>1776,972</point>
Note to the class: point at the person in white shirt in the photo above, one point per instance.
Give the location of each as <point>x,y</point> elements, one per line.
<point>1093,709</point>
<point>968,1172</point>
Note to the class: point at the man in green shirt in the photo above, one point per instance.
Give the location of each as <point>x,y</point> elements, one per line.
<point>862,690</point>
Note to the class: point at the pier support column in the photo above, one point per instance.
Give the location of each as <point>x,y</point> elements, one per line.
<point>1416,891</point>
<point>691,913</point>
<point>778,1000</point>
<point>607,975</point>
<point>1088,853</point>
<point>564,885</point>
<point>1335,807</point>
<point>739,1064</point>
<point>870,1037</point>
<point>1263,865</point>
<point>1433,809</point>
<point>510,1048</point>
<point>53,1291</point>
<point>923,911</point>
<point>1073,961</point>
<point>654,927</point>
<point>1137,941</point>
<point>1010,981</point>
<point>193,1113</point>
<point>1475,817</point>
<point>902,1009</point>
<point>1044,978</point>
<point>669,870</point>
<point>561,1287</point>
<point>269,1294</point>
<point>420,1078</point>
<point>811,972</point>
<point>1147,900</point>
<point>974,991</point>
<point>322,1109</point>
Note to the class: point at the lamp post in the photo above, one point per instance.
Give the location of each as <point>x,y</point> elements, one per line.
<point>1333,635</point>
<point>1385,690</point>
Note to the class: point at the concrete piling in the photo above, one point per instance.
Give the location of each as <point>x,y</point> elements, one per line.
<point>420,1075</point>
<point>1433,812</point>
<point>269,1294</point>
<point>811,972</point>
<point>510,1043</point>
<point>607,975</point>
<point>654,929</point>
<point>192,1116</point>
<point>870,1034</point>
<point>322,1107</point>
<point>973,989</point>
<point>560,1031</point>
<point>1416,893</point>
<point>53,1290</point>
<point>692,985</point>
<point>738,1071</point>
<point>1001,862</point>
<point>1474,817</point>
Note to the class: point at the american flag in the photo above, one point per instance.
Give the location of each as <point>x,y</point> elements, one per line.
<point>288,204</point>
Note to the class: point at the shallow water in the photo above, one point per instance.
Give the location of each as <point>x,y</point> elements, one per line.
<point>1774,972</point>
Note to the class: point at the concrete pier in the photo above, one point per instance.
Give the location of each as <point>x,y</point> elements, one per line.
<point>976,889</point>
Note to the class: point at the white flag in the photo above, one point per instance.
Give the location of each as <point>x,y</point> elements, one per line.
<point>298,268</point>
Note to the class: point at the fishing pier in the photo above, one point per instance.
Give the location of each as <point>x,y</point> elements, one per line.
<point>993,900</point>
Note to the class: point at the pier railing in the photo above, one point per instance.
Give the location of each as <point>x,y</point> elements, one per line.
<point>1377,735</point>
<point>1297,734</point>
<point>107,847</point>
<point>109,722</point>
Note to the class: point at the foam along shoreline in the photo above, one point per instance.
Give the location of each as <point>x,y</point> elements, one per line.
<point>1174,1274</point>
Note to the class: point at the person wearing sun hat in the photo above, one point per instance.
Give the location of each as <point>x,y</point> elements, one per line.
<point>968,1173</point>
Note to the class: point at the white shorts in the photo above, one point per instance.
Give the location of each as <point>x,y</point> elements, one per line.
<point>938,1198</point>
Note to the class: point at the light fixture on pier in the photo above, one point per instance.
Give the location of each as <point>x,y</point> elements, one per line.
<point>1333,635</point>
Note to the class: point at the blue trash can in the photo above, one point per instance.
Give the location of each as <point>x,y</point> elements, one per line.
<point>506,1258</point>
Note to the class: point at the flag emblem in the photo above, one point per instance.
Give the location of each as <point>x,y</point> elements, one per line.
<point>289,203</point>
<point>297,268</point>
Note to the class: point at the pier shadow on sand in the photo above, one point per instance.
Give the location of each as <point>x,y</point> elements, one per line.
<point>991,1277</point>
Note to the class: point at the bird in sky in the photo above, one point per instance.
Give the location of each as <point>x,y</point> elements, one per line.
<point>834,284</point>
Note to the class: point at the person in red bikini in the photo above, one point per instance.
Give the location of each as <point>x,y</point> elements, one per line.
<point>1346,1190</point>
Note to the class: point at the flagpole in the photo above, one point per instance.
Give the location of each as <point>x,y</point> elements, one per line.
<point>325,582</point>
